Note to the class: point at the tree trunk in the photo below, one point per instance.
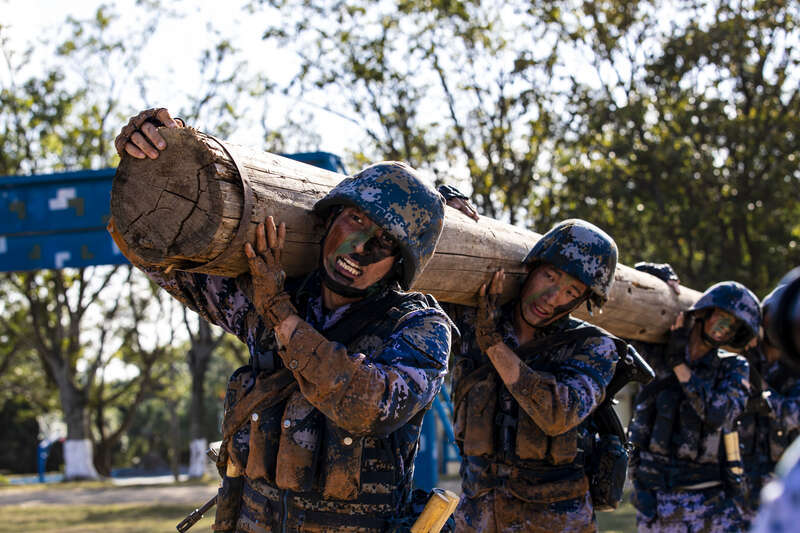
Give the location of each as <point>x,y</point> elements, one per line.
<point>198,357</point>
<point>78,452</point>
<point>189,209</point>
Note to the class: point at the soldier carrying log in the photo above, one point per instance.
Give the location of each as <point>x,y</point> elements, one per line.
<point>322,426</point>
<point>687,470</point>
<point>527,382</point>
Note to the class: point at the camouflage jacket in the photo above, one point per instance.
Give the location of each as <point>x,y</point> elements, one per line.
<point>766,430</point>
<point>358,411</point>
<point>533,441</point>
<point>677,427</point>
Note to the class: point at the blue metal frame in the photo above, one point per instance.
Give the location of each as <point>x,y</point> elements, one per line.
<point>59,220</point>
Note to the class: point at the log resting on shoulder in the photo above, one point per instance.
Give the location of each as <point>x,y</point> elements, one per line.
<point>184,210</point>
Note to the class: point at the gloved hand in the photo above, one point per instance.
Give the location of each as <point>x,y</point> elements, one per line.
<point>269,298</point>
<point>675,352</point>
<point>486,333</point>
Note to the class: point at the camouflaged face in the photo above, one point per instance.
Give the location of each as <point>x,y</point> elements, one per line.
<point>583,251</point>
<point>397,200</point>
<point>734,298</point>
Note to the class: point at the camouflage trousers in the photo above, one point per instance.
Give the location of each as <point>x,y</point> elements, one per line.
<point>498,511</point>
<point>693,511</point>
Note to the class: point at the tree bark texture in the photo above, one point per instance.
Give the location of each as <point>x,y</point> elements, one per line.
<point>190,210</point>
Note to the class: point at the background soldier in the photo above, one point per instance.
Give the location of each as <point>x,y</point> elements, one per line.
<point>771,420</point>
<point>322,426</point>
<point>525,380</point>
<point>679,418</point>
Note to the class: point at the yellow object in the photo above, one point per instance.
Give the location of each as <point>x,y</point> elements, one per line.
<point>732,453</point>
<point>232,470</point>
<point>440,506</point>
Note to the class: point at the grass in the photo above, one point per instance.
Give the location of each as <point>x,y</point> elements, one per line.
<point>622,520</point>
<point>141,518</point>
<point>121,518</point>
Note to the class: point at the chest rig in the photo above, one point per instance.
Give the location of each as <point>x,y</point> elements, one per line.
<point>764,436</point>
<point>495,434</point>
<point>297,466</point>
<point>683,450</point>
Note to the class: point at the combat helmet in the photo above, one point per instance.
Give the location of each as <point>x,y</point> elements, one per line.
<point>583,251</point>
<point>781,313</point>
<point>396,199</point>
<point>738,300</point>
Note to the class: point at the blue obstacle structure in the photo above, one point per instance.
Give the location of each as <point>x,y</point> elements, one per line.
<point>428,465</point>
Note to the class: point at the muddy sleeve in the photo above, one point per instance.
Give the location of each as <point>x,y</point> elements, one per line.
<point>719,402</point>
<point>220,300</point>
<point>559,401</point>
<point>376,393</point>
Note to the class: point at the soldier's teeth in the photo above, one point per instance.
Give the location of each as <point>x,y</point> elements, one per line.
<point>348,267</point>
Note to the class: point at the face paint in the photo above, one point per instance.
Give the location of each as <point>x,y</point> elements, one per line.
<point>549,294</point>
<point>356,254</point>
<point>719,328</point>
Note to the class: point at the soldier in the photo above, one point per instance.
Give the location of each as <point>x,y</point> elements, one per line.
<point>322,426</point>
<point>771,420</point>
<point>680,417</point>
<point>526,377</point>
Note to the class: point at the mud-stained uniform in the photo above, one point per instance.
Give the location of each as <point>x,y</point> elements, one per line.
<point>677,428</point>
<point>768,426</point>
<point>336,452</point>
<point>523,447</point>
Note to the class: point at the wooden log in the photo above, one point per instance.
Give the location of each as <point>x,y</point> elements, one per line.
<point>185,210</point>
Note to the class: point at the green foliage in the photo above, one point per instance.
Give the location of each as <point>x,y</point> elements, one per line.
<point>694,159</point>
<point>670,124</point>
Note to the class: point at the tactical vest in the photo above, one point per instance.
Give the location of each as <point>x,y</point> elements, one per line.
<point>765,438</point>
<point>683,450</point>
<point>318,475</point>
<point>495,435</point>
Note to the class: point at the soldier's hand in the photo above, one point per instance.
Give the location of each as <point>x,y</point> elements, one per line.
<point>675,285</point>
<point>465,206</point>
<point>265,264</point>
<point>486,333</point>
<point>140,138</point>
<point>458,200</point>
<point>675,352</point>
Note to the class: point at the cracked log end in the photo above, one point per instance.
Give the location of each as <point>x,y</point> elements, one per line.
<point>180,209</point>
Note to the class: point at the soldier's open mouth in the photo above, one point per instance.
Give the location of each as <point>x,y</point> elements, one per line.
<point>538,311</point>
<point>348,268</point>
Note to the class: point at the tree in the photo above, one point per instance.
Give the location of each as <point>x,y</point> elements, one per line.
<point>692,157</point>
<point>462,88</point>
<point>48,124</point>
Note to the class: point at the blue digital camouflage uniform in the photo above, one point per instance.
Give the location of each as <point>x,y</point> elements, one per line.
<point>767,426</point>
<point>780,499</point>
<point>366,395</point>
<point>531,475</point>
<point>333,447</point>
<point>678,431</point>
<point>526,446</point>
<point>662,271</point>
<point>677,428</point>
